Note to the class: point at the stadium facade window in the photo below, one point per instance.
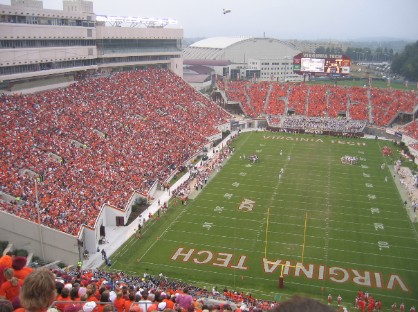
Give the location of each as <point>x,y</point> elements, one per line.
<point>45,21</point>
<point>109,46</point>
<point>10,70</point>
<point>7,44</point>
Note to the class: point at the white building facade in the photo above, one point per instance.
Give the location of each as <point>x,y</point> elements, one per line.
<point>53,46</point>
<point>279,70</point>
<point>265,58</point>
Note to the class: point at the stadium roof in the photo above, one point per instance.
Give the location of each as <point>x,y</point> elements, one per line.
<point>218,42</point>
<point>238,50</point>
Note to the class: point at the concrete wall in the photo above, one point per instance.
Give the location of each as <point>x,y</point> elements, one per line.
<point>176,66</point>
<point>28,235</point>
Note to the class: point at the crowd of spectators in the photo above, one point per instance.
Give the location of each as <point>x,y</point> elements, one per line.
<point>276,104</point>
<point>387,103</point>
<point>359,103</point>
<point>379,106</point>
<point>199,173</point>
<point>97,142</point>
<point>74,290</point>
<point>257,93</point>
<point>323,124</point>
<point>411,130</point>
<point>317,105</point>
<point>237,91</point>
<point>298,95</point>
<point>337,101</point>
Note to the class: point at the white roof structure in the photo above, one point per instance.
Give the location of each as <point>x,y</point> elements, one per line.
<point>239,49</point>
<point>218,42</point>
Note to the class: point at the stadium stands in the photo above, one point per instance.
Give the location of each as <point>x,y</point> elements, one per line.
<point>411,130</point>
<point>236,91</point>
<point>323,124</point>
<point>276,104</point>
<point>98,141</point>
<point>337,101</point>
<point>257,93</point>
<point>377,106</point>
<point>387,103</point>
<point>104,137</point>
<point>298,98</point>
<point>317,101</point>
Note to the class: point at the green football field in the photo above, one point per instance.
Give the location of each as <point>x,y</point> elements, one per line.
<point>327,227</point>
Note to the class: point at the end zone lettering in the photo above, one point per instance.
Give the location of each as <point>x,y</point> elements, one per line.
<point>296,269</point>
<point>289,138</point>
<point>335,274</point>
<point>207,257</point>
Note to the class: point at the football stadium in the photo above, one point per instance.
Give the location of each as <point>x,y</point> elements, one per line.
<point>141,175</point>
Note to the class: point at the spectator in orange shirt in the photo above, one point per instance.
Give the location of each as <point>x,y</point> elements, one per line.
<point>11,288</point>
<point>131,299</point>
<point>119,302</point>
<point>168,301</point>
<point>105,297</point>
<point>20,268</point>
<point>7,260</point>
<point>64,296</point>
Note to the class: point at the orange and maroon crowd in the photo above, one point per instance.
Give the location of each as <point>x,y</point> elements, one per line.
<point>110,136</point>
<point>377,105</point>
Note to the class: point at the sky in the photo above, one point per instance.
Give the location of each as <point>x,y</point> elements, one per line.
<point>281,19</point>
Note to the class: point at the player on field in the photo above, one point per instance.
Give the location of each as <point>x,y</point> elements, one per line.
<point>362,305</point>
<point>379,305</point>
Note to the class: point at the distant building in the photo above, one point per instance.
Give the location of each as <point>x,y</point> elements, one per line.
<point>42,48</point>
<point>280,70</point>
<point>248,58</point>
<point>311,46</point>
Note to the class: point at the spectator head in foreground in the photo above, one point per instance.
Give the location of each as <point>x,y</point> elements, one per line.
<point>301,304</point>
<point>38,290</point>
<point>5,306</point>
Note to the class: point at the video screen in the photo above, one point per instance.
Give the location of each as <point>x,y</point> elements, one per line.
<point>312,65</point>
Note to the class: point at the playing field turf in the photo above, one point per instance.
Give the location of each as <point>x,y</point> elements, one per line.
<point>338,227</point>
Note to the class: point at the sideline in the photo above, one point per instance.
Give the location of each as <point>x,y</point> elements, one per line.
<point>404,194</point>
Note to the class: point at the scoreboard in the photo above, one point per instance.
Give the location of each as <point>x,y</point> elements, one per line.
<point>321,64</point>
